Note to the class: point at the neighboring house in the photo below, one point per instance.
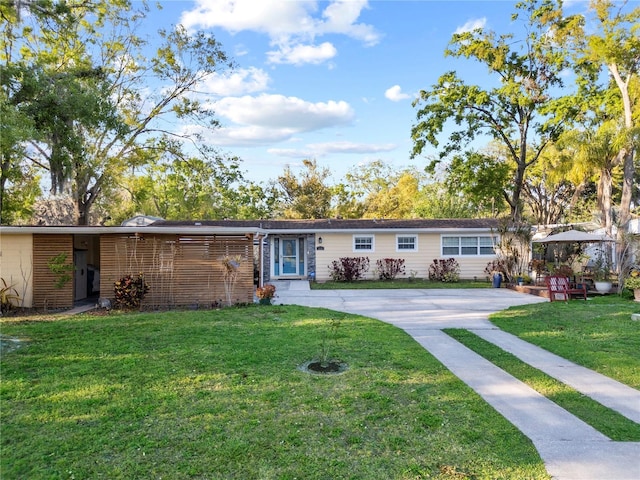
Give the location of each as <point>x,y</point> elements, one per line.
<point>182,260</point>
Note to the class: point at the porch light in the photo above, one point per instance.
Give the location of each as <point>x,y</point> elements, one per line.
<point>320,240</point>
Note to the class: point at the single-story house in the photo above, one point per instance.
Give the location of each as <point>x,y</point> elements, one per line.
<point>183,260</point>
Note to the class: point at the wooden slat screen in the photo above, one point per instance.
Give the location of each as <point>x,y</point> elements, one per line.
<point>180,271</point>
<point>45,294</point>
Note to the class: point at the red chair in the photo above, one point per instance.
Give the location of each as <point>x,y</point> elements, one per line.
<point>560,288</point>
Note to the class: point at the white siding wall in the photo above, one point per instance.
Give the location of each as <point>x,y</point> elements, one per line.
<point>337,245</point>
<point>16,265</point>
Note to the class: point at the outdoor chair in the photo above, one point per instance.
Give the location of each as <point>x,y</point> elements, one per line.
<point>560,288</point>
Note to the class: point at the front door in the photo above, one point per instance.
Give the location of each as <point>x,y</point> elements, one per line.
<point>289,257</point>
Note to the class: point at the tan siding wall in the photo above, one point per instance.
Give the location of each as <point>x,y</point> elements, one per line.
<point>179,270</point>
<point>45,294</point>
<point>337,245</point>
<point>16,265</point>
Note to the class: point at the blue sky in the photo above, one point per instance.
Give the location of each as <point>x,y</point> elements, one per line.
<point>329,80</point>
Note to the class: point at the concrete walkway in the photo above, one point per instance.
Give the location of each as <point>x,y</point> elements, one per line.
<point>570,449</point>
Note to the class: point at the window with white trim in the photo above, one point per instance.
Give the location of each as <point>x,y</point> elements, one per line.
<point>467,245</point>
<point>363,243</point>
<point>406,243</point>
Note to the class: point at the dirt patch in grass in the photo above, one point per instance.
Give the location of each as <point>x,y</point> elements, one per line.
<point>9,344</point>
<point>333,367</point>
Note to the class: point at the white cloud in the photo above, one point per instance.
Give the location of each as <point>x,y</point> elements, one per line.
<point>268,119</point>
<point>301,54</point>
<point>236,82</point>
<point>472,25</point>
<point>249,136</point>
<point>273,17</point>
<point>278,111</point>
<point>292,26</point>
<point>341,17</point>
<point>322,149</point>
<point>395,94</point>
<point>350,147</point>
<point>240,50</point>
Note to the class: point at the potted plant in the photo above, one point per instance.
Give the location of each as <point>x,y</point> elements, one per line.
<point>632,282</point>
<point>602,274</point>
<point>265,294</point>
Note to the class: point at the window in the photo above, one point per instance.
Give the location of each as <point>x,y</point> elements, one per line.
<point>486,245</point>
<point>455,246</point>
<point>450,246</point>
<point>406,243</point>
<point>363,243</point>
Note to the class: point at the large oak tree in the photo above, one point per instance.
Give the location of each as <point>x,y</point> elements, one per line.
<point>515,112</point>
<point>100,89</point>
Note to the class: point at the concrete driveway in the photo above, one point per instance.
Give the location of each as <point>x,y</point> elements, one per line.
<point>433,309</point>
<point>570,448</point>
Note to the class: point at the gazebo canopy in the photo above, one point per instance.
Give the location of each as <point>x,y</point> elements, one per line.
<point>575,236</point>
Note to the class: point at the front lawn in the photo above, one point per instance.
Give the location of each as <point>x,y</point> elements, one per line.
<point>598,333</point>
<point>217,394</point>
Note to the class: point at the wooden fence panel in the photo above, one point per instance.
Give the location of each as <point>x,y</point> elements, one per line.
<point>45,293</point>
<point>180,271</point>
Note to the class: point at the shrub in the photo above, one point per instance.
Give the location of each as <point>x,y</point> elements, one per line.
<point>496,266</point>
<point>444,270</point>
<point>348,269</point>
<point>390,268</point>
<point>268,291</point>
<point>8,296</point>
<point>563,271</point>
<point>130,291</point>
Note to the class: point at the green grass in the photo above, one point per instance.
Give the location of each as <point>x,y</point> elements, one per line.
<point>598,334</point>
<point>401,283</point>
<point>217,394</point>
<point>610,423</point>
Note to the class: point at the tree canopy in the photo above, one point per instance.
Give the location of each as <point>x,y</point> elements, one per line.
<point>515,113</point>
<point>86,102</point>
<point>78,75</point>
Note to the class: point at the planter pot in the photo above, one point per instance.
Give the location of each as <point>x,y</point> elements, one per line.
<point>636,294</point>
<point>603,287</point>
<point>497,281</point>
<point>265,301</point>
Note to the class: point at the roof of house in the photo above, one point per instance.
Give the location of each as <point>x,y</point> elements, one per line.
<point>242,227</point>
<point>333,224</point>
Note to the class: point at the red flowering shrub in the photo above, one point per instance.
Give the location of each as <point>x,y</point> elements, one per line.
<point>348,269</point>
<point>390,268</point>
<point>130,291</point>
<point>445,270</point>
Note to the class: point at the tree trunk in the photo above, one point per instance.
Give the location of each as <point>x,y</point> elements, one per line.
<point>604,199</point>
<point>627,153</point>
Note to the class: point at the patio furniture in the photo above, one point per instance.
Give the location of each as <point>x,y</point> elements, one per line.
<point>560,288</point>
